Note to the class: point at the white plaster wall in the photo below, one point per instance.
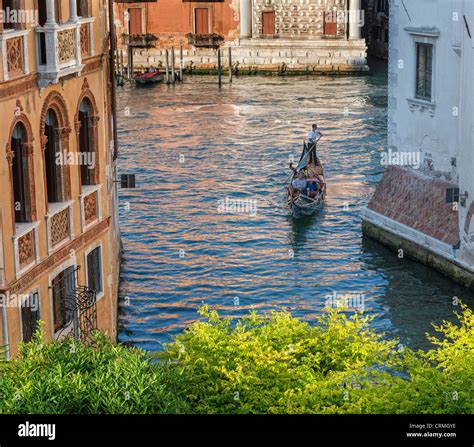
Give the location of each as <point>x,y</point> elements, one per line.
<point>466,131</point>
<point>431,129</point>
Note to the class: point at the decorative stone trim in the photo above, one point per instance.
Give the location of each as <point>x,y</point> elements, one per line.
<point>87,23</point>
<point>414,103</point>
<point>13,88</point>
<point>91,206</point>
<point>26,247</point>
<point>56,258</point>
<point>6,44</point>
<point>62,44</point>
<point>59,224</point>
<point>426,31</point>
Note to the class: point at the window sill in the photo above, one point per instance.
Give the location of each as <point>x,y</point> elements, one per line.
<point>89,189</point>
<point>99,295</point>
<point>422,105</point>
<point>11,33</point>
<point>57,207</point>
<point>423,31</point>
<point>23,228</point>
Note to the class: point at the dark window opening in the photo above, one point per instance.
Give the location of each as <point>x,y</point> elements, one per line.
<point>30,315</point>
<point>52,160</point>
<point>63,288</point>
<point>21,193</point>
<point>86,142</point>
<point>42,13</point>
<point>83,8</point>
<point>94,270</point>
<point>11,8</point>
<point>424,66</point>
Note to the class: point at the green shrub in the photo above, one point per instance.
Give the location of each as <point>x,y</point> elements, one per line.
<point>279,364</point>
<point>271,363</point>
<point>72,377</point>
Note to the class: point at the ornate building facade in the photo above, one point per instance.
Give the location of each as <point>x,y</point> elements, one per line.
<point>301,35</point>
<point>59,233</point>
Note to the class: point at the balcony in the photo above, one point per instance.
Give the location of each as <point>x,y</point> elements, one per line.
<point>59,225</point>
<point>205,40</point>
<point>14,47</point>
<point>26,248</point>
<point>139,40</point>
<point>76,306</point>
<point>61,49</point>
<point>91,212</point>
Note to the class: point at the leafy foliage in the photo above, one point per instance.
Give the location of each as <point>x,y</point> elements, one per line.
<point>271,363</point>
<point>72,377</point>
<point>279,364</point>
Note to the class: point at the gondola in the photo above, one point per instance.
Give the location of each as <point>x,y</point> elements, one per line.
<point>150,77</point>
<point>299,203</point>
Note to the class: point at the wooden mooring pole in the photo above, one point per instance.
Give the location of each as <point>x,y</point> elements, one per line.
<point>181,63</point>
<point>219,68</point>
<point>167,65</point>
<point>130,62</point>
<point>173,70</point>
<point>230,65</point>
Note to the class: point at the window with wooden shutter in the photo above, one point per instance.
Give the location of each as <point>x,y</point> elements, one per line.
<point>201,17</point>
<point>94,270</point>
<point>330,23</point>
<point>268,23</point>
<point>135,21</point>
<point>30,315</point>
<point>62,287</point>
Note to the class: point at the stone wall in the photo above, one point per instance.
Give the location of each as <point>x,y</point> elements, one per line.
<point>302,19</point>
<point>417,201</point>
<point>324,55</point>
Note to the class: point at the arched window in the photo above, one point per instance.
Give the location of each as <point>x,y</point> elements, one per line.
<point>86,143</point>
<point>20,175</point>
<point>54,162</point>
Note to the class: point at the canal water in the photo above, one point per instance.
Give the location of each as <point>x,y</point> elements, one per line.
<point>197,150</point>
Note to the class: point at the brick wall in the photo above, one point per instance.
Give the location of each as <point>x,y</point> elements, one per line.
<point>417,201</point>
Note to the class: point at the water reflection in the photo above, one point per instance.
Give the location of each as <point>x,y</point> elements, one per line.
<point>193,145</point>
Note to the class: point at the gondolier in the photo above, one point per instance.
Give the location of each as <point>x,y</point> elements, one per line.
<point>314,136</point>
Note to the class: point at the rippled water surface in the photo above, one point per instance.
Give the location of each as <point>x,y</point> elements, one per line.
<point>193,145</point>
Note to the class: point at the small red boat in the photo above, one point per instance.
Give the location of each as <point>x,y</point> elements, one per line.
<point>150,77</point>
